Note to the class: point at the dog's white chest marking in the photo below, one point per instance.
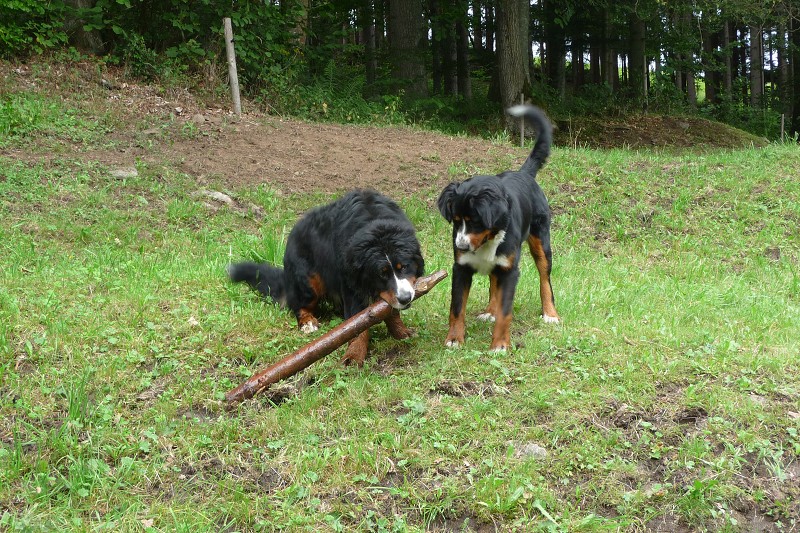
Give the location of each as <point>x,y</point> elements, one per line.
<point>485,258</point>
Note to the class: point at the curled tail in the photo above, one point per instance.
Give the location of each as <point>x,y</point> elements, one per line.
<point>544,136</point>
<point>265,278</point>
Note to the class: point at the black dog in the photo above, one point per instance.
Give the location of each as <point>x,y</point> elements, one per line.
<point>492,216</point>
<point>350,252</point>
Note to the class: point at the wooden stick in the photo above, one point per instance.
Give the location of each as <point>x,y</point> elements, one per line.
<point>234,78</point>
<point>319,348</point>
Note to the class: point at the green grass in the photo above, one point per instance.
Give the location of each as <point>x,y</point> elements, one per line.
<point>669,393</point>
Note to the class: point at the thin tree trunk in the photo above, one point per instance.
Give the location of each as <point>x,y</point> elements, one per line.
<point>370,58</point>
<point>729,58</point>
<point>436,49</point>
<point>610,67</point>
<point>784,87</point>
<point>709,69</point>
<point>477,25</point>
<point>462,60</point>
<point>490,26</point>
<point>756,66</point>
<point>795,67</point>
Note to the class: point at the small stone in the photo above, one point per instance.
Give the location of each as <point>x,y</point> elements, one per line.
<point>124,173</point>
<point>530,450</point>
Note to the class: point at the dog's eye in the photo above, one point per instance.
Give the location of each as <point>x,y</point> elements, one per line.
<point>457,219</point>
<point>466,219</point>
<point>398,267</point>
<point>385,271</point>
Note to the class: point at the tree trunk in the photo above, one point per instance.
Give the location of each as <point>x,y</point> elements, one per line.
<point>407,47</point>
<point>370,58</point>
<point>729,60</point>
<point>795,67</point>
<point>490,26</point>
<point>784,88</point>
<point>462,59</point>
<point>637,68</point>
<point>477,25</point>
<point>85,41</point>
<point>380,24</point>
<point>301,27</point>
<point>691,88</point>
<point>756,66</point>
<point>512,53</point>
<point>594,64</point>
<point>448,54</point>
<point>555,49</point>
<point>609,66</point>
<point>436,49</point>
<point>578,66</point>
<point>710,71</point>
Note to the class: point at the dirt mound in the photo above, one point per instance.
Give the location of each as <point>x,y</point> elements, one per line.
<point>300,157</point>
<point>652,131</point>
<point>199,136</point>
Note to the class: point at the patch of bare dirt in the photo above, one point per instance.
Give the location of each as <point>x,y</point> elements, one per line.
<point>196,134</point>
<point>295,156</point>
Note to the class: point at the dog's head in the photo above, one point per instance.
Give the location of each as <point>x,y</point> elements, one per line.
<point>478,209</point>
<point>386,260</point>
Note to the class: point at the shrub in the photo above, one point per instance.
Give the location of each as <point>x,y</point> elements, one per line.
<point>30,26</point>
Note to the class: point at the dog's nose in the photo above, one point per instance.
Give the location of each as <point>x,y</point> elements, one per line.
<point>405,300</point>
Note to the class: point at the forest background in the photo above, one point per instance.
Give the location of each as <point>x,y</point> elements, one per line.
<point>451,64</point>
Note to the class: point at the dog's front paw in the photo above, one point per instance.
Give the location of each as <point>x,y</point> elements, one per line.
<point>309,327</point>
<point>486,317</point>
<point>453,343</point>
<point>500,347</point>
<point>354,356</point>
<point>548,319</point>
<point>402,333</point>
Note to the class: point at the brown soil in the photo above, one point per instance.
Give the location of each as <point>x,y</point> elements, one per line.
<point>174,127</point>
<point>296,156</point>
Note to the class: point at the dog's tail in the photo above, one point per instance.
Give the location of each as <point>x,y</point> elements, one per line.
<point>544,136</point>
<point>263,277</point>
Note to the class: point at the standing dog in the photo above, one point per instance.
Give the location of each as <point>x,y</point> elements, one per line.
<point>350,252</point>
<point>492,216</point>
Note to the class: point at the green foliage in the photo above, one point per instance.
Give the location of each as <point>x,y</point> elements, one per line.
<point>665,97</point>
<point>334,96</point>
<point>30,26</point>
<point>764,122</point>
<point>23,114</point>
<point>140,61</point>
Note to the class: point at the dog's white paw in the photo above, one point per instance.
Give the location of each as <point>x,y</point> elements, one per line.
<point>551,319</point>
<point>486,317</point>
<point>452,344</point>
<point>309,327</point>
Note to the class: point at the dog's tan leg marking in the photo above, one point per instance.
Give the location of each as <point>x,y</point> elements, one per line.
<point>397,329</point>
<point>549,313</point>
<point>306,317</point>
<point>455,337</point>
<point>307,321</point>
<point>357,350</point>
<point>501,336</point>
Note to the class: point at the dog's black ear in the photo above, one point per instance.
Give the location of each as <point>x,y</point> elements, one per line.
<point>420,263</point>
<point>492,208</point>
<point>445,202</point>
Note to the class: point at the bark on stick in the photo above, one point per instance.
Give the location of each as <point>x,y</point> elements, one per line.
<point>319,348</point>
